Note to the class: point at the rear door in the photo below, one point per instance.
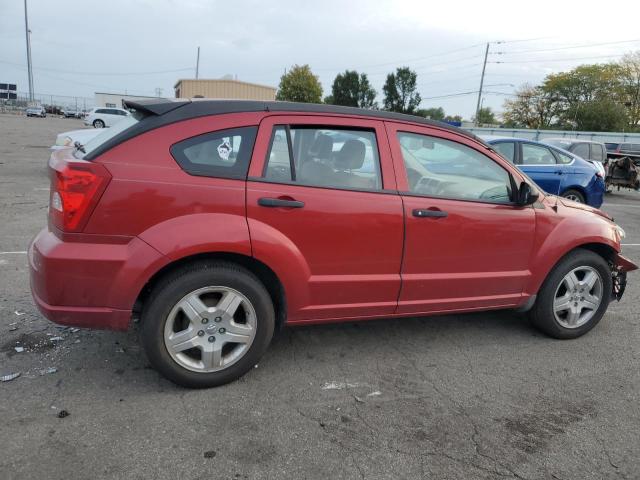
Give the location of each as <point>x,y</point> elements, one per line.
<point>539,163</point>
<point>466,244</point>
<point>323,189</point>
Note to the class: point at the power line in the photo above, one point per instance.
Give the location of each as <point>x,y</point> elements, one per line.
<point>560,59</point>
<point>401,62</point>
<point>55,70</point>
<point>586,45</point>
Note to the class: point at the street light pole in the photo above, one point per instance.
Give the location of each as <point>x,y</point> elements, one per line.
<point>28,35</point>
<point>198,63</point>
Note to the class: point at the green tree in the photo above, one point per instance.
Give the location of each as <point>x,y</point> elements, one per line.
<point>353,90</point>
<point>600,115</point>
<point>629,78</point>
<point>400,91</point>
<point>432,113</point>
<point>485,116</point>
<point>452,118</point>
<point>531,107</point>
<point>299,84</point>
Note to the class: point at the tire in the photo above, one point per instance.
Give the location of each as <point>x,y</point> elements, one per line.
<point>165,322</point>
<point>574,195</point>
<point>555,293</point>
<point>98,124</point>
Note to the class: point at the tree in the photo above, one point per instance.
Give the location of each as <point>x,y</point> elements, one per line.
<point>601,115</point>
<point>299,84</point>
<point>452,118</point>
<point>629,78</point>
<point>531,107</point>
<point>432,113</point>
<point>400,93</point>
<point>353,90</point>
<point>485,116</point>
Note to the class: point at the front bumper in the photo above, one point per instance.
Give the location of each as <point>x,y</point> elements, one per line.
<point>621,266</point>
<point>89,281</point>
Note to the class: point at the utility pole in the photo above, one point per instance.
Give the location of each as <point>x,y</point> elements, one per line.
<point>484,66</point>
<point>28,35</point>
<point>198,63</point>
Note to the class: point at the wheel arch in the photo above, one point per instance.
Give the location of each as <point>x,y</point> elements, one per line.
<point>604,250</point>
<point>265,274</point>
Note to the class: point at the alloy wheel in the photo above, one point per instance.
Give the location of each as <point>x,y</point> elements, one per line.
<point>210,329</point>
<point>578,297</point>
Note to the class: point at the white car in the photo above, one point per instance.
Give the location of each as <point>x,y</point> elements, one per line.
<point>68,139</point>
<point>100,117</point>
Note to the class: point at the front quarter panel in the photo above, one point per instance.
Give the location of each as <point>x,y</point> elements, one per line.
<point>557,233</point>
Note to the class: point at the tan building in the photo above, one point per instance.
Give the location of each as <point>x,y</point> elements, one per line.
<point>223,88</point>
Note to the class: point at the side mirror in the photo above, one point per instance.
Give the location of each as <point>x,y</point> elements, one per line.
<point>527,195</point>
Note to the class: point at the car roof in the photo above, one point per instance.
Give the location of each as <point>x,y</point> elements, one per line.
<point>160,112</point>
<point>496,138</point>
<point>569,140</point>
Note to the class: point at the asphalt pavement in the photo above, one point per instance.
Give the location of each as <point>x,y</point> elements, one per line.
<point>463,396</point>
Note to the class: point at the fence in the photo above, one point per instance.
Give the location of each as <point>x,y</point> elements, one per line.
<point>540,134</point>
<point>52,103</point>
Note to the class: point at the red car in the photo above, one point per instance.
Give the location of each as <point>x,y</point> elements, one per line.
<point>216,222</point>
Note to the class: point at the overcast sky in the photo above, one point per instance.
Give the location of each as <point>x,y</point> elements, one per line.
<point>83,46</point>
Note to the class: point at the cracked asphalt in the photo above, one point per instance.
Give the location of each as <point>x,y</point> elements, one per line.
<point>465,396</point>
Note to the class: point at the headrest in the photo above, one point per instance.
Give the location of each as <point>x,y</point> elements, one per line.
<point>322,147</point>
<point>351,155</point>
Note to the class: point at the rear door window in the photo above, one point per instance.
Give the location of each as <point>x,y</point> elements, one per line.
<point>597,152</point>
<point>581,150</point>
<point>507,150</point>
<point>536,155</point>
<point>324,157</point>
<point>224,154</point>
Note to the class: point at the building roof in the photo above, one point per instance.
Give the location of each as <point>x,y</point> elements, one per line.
<point>222,80</point>
<point>160,112</point>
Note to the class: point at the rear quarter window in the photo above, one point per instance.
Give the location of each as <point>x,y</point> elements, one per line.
<point>223,154</point>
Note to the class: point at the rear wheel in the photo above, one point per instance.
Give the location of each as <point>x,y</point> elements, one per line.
<point>574,195</point>
<point>98,124</point>
<point>207,324</point>
<point>574,297</point>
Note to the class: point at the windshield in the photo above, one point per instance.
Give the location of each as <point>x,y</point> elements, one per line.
<point>107,134</point>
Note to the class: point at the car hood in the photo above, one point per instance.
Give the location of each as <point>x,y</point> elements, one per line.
<point>586,208</point>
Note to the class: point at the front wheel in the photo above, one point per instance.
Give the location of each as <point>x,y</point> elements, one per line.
<point>574,297</point>
<point>207,324</point>
<point>574,195</point>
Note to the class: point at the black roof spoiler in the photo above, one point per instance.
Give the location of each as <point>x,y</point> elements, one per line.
<point>155,106</point>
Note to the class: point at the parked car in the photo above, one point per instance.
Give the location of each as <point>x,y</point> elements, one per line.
<point>556,171</point>
<point>38,111</point>
<point>594,152</point>
<point>217,222</point>
<point>105,117</point>
<point>68,139</point>
<point>71,112</point>
<point>624,148</point>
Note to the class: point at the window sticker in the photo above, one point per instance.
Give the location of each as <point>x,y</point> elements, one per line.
<point>224,149</point>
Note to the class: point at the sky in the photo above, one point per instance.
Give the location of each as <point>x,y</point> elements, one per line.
<point>136,46</point>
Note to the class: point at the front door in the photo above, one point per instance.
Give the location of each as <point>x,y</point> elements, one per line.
<point>540,164</point>
<point>467,245</point>
<point>322,208</point>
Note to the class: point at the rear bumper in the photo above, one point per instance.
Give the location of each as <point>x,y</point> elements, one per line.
<point>89,281</point>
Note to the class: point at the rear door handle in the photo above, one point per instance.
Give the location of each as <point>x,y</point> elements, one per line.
<point>559,172</point>
<point>279,202</point>
<point>420,213</point>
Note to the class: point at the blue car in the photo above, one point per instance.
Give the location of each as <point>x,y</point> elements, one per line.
<point>554,170</point>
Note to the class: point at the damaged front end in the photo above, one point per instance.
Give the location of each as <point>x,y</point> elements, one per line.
<point>619,268</point>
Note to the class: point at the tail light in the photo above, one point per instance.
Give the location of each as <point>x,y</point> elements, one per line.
<point>76,187</point>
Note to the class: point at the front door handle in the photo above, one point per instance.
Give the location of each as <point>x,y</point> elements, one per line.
<point>279,202</point>
<point>420,213</point>
<point>558,172</point>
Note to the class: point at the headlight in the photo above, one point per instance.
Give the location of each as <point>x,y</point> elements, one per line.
<point>620,231</point>
<point>63,141</point>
